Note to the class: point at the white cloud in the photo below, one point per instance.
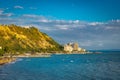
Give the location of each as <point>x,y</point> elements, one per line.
<point>41,20</point>
<point>118,20</point>
<point>3,14</point>
<point>88,34</point>
<point>70,21</point>
<point>44,20</point>
<point>1,11</point>
<point>76,21</point>
<point>6,14</point>
<point>63,27</point>
<point>30,16</point>
<point>109,28</point>
<point>18,7</point>
<point>112,28</point>
<point>95,23</point>
<point>9,14</point>
<point>37,17</point>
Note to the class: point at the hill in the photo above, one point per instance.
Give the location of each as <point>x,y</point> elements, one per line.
<point>15,38</point>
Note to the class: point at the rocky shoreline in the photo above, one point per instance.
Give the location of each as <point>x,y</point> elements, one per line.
<point>5,60</point>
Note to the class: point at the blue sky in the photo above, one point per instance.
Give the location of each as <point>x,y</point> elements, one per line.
<point>94,24</point>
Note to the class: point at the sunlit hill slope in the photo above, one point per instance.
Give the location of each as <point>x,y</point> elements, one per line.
<point>16,38</point>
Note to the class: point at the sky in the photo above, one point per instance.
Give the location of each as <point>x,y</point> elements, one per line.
<point>94,24</point>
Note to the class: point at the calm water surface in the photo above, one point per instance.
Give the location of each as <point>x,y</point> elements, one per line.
<point>104,66</point>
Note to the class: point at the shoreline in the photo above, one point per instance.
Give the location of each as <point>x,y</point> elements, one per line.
<point>33,55</point>
<point>5,60</point>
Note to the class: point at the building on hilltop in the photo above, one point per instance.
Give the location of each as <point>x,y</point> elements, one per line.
<point>71,47</point>
<point>75,46</point>
<point>68,48</point>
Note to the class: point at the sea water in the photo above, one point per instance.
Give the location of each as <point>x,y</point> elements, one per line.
<point>103,66</point>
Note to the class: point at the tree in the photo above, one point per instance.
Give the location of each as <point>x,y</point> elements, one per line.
<point>1,52</point>
<point>8,51</point>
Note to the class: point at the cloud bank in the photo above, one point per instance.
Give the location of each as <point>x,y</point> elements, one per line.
<point>90,35</point>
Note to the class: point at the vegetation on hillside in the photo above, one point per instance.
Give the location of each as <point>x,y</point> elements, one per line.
<point>17,39</point>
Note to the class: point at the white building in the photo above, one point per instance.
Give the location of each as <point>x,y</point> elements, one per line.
<point>79,49</point>
<point>73,47</point>
<point>68,48</point>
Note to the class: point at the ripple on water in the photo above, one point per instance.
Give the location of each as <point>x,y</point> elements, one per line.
<point>64,67</point>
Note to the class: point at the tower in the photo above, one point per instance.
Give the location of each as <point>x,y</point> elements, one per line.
<point>75,46</point>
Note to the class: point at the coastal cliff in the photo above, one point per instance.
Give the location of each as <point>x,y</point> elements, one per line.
<point>17,39</point>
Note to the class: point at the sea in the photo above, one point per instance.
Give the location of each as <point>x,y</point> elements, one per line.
<point>100,66</point>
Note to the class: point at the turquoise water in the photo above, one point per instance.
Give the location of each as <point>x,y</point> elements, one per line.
<point>104,66</point>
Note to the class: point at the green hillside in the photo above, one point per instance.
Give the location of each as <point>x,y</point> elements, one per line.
<point>25,39</point>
